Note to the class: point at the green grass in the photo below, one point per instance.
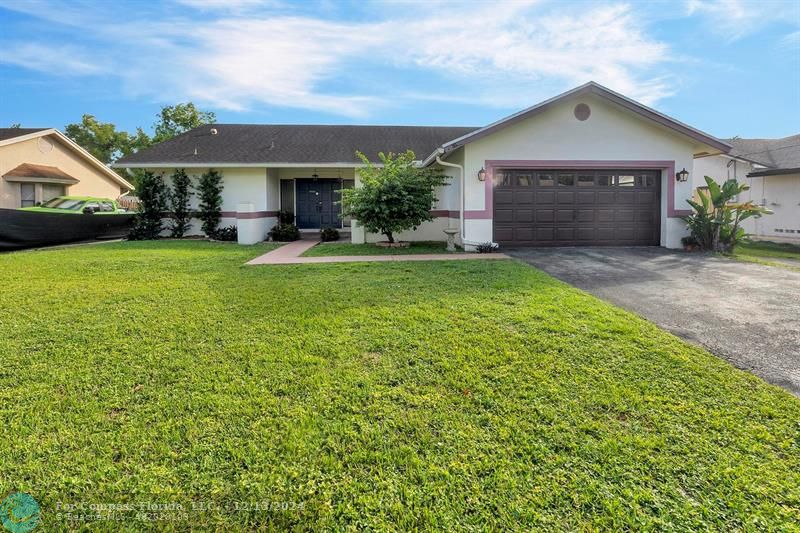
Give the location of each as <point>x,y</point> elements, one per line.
<point>433,395</point>
<point>769,253</point>
<point>341,248</point>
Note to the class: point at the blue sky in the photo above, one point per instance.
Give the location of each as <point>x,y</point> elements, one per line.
<point>728,67</point>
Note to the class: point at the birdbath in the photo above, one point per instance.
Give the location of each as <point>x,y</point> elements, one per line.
<point>451,239</point>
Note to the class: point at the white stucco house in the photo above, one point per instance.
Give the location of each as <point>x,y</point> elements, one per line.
<point>587,167</point>
<point>771,167</point>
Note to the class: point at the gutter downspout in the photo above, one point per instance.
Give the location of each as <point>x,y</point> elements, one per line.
<point>463,187</point>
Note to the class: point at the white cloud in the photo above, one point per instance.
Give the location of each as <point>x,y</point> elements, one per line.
<point>735,19</point>
<point>508,55</point>
<point>56,60</point>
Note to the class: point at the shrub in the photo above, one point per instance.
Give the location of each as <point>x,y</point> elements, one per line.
<point>284,233</point>
<point>180,214</point>
<point>716,218</point>
<point>230,233</point>
<point>285,217</point>
<point>329,234</point>
<point>395,197</point>
<point>210,209</point>
<point>147,223</point>
<point>486,247</point>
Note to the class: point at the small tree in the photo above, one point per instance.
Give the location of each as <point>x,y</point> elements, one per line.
<point>210,209</point>
<point>181,214</point>
<point>715,223</point>
<point>392,198</point>
<point>152,204</point>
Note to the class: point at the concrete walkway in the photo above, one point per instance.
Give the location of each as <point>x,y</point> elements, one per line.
<point>289,254</point>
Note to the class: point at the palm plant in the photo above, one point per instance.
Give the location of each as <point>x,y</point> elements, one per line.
<point>716,221</point>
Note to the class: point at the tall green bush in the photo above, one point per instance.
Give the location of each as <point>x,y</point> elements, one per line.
<point>179,198</point>
<point>716,221</point>
<point>395,197</point>
<point>210,208</point>
<point>147,223</point>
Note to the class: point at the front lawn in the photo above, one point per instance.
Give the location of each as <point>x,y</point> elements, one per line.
<point>432,395</point>
<point>344,248</point>
<point>770,253</point>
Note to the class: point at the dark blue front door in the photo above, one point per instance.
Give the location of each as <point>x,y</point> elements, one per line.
<point>318,203</point>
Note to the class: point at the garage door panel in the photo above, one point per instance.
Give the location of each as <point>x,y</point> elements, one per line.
<point>604,215</point>
<point>524,198</point>
<point>523,215</point>
<point>566,207</point>
<point>565,215</point>
<point>566,197</point>
<point>624,215</point>
<point>545,197</point>
<point>605,198</point>
<point>503,197</point>
<point>503,215</point>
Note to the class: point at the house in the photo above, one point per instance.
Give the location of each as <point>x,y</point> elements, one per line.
<point>771,167</point>
<point>587,167</point>
<point>37,164</point>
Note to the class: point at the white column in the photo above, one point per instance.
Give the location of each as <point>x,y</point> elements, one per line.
<point>247,226</point>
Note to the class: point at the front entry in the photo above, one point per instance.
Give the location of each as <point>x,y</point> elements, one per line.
<point>317,203</point>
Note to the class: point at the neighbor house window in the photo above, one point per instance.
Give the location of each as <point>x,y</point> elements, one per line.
<point>27,194</point>
<point>50,191</point>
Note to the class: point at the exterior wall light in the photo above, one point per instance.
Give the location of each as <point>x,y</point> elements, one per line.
<point>481,175</point>
<point>682,176</point>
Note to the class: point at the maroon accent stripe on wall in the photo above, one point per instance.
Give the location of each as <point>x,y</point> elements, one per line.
<point>443,213</point>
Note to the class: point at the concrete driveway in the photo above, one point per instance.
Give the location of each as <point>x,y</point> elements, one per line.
<point>746,313</point>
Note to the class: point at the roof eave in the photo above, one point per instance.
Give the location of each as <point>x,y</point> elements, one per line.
<point>774,172</point>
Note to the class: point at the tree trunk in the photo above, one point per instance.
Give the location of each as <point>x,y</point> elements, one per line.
<point>389,236</point>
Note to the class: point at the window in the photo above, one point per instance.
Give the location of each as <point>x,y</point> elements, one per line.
<point>27,193</point>
<point>546,180</point>
<point>605,180</point>
<point>64,203</point>
<point>106,207</point>
<point>502,179</point>
<point>626,180</point>
<point>524,180</point>
<point>566,180</point>
<point>50,191</point>
<point>585,180</point>
<point>648,180</point>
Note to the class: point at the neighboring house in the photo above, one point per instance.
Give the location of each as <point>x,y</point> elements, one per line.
<point>771,167</point>
<point>588,167</point>
<point>42,163</point>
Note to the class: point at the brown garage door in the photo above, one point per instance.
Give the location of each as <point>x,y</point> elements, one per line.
<point>577,207</point>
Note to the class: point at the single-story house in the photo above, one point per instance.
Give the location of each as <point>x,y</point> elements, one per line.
<point>587,167</point>
<point>38,164</point>
<point>771,167</point>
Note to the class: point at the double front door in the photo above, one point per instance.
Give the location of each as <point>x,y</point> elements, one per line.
<point>317,203</point>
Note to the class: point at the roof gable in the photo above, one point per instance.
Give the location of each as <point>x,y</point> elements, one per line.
<point>588,88</point>
<point>24,134</point>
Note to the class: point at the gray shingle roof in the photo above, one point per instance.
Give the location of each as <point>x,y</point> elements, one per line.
<point>10,133</point>
<point>777,154</point>
<point>256,144</point>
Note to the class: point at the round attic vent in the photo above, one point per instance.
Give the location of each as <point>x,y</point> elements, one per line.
<point>582,112</point>
<point>44,145</point>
